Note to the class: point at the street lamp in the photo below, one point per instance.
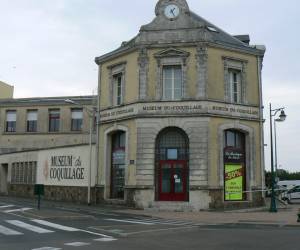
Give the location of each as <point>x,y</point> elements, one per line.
<point>91,113</point>
<point>282,118</point>
<point>275,144</point>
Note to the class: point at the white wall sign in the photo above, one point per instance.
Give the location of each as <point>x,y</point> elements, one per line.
<point>65,166</point>
<point>180,108</point>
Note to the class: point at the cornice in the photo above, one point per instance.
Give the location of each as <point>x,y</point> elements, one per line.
<point>114,55</point>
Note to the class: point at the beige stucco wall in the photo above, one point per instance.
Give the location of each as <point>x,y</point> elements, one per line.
<point>42,138</point>
<point>216,74</point>
<point>131,78</point>
<point>6,91</point>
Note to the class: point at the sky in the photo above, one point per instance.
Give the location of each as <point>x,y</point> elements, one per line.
<point>47,48</point>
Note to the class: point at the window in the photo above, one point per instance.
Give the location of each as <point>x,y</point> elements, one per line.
<point>32,121</point>
<point>234,139</point>
<point>172,145</point>
<point>11,121</point>
<point>23,172</point>
<point>54,117</point>
<point>172,82</point>
<point>235,86</point>
<point>117,89</point>
<point>235,169</point>
<point>77,118</point>
<point>118,165</point>
<point>235,77</point>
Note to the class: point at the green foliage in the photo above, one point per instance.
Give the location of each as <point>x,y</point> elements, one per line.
<point>283,175</point>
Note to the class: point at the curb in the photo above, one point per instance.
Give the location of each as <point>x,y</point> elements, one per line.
<point>250,225</point>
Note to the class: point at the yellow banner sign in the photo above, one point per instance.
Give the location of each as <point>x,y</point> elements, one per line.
<point>234,182</point>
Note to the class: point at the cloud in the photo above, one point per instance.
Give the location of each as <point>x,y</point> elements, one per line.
<point>47,48</point>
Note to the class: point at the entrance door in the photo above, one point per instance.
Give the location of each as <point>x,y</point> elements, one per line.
<point>3,181</point>
<point>173,181</point>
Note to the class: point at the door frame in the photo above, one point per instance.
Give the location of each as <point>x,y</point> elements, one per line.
<point>172,196</point>
<point>4,178</point>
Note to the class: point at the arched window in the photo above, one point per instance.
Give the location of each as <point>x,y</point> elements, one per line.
<point>234,166</point>
<point>118,165</point>
<point>172,165</point>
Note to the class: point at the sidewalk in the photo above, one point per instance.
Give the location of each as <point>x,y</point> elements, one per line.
<point>284,217</point>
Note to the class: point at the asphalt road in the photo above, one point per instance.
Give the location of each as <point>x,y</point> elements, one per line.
<point>24,228</point>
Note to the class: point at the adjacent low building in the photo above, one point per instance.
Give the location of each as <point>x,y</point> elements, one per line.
<point>181,121</point>
<point>6,91</point>
<point>47,141</point>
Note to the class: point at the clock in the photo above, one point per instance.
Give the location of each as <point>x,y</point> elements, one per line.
<point>172,11</point>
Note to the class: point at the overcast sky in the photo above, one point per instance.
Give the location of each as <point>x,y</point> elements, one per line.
<point>47,48</point>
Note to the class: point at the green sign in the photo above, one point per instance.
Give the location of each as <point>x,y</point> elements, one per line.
<point>234,182</point>
<point>39,189</point>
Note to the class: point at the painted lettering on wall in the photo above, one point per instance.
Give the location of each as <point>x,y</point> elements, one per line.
<point>174,108</point>
<point>67,167</point>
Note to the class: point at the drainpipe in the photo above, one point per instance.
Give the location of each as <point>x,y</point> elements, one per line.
<point>97,154</point>
<point>261,120</point>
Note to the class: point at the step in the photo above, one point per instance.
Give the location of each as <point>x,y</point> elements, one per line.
<point>172,206</point>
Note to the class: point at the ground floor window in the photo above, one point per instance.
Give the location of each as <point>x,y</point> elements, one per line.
<point>234,166</point>
<point>118,165</point>
<point>23,172</point>
<point>172,165</point>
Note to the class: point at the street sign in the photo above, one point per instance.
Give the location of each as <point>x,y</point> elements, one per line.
<point>39,189</point>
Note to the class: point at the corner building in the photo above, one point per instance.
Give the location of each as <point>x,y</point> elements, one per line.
<point>181,116</point>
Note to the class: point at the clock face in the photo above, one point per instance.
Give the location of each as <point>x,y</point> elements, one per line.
<point>172,11</point>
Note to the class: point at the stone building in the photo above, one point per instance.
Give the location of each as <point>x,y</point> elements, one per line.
<point>6,91</point>
<point>181,123</point>
<point>46,141</point>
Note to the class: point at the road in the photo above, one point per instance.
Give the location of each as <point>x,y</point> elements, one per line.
<point>22,227</point>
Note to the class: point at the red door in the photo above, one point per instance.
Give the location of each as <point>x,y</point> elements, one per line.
<point>172,181</point>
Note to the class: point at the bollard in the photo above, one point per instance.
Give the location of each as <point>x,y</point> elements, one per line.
<point>298,216</point>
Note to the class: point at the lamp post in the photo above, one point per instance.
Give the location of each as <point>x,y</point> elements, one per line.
<point>275,144</point>
<point>91,114</point>
<point>282,117</point>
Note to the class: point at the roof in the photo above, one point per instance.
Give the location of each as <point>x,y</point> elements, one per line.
<point>36,101</point>
<point>190,28</point>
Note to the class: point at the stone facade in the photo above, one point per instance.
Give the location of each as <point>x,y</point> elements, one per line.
<point>212,102</point>
<point>55,193</point>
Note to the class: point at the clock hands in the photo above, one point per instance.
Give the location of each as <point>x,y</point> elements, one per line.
<point>172,11</point>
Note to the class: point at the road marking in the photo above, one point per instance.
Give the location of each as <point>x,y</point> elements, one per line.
<point>105,239</point>
<point>173,222</point>
<point>89,232</point>
<point>47,248</point>
<point>56,226</point>
<point>29,227</point>
<point>17,210</point>
<point>154,221</point>
<point>131,221</point>
<point>159,230</point>
<point>6,206</point>
<point>7,231</point>
<point>77,244</point>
